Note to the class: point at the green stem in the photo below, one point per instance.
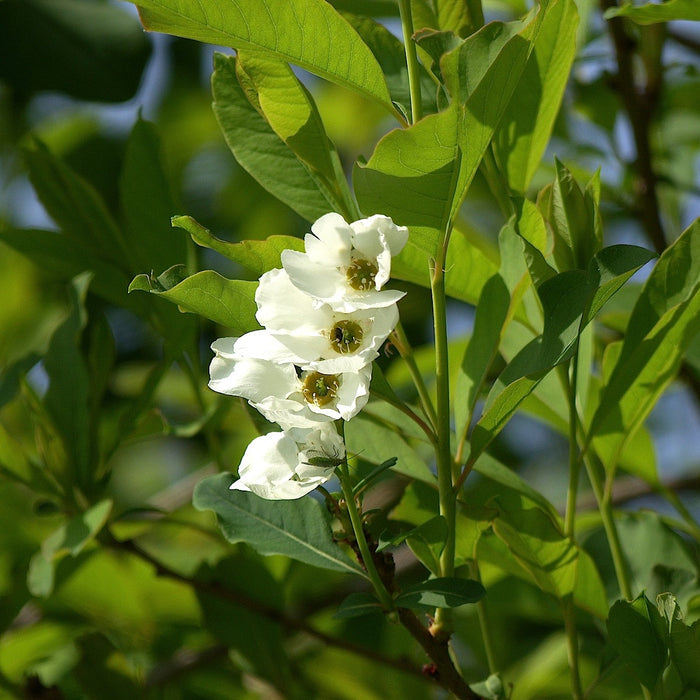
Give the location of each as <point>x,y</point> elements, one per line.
<point>406,351</point>
<point>447,494</point>
<point>411,60</point>
<point>574,458</point>
<point>484,626</point>
<point>572,647</point>
<point>384,596</point>
<point>595,471</point>
<point>497,184</point>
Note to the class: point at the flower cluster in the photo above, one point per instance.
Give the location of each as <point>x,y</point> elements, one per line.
<point>325,315</point>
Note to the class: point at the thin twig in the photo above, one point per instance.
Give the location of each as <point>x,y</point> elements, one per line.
<point>237,598</point>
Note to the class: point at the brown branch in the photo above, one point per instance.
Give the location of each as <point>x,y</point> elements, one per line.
<point>640,105</point>
<point>688,42</point>
<point>442,669</point>
<point>237,598</point>
<point>627,489</point>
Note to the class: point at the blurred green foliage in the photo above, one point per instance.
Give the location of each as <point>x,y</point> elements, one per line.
<point>105,416</point>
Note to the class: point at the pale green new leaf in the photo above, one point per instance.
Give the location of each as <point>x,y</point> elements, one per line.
<point>230,303</point>
<point>261,151</point>
<point>298,529</point>
<point>527,124</point>
<point>256,256</point>
<point>290,110</point>
<point>308,33</point>
<point>657,12</point>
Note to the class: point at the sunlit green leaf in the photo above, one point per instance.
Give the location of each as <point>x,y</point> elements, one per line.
<point>261,151</point>
<point>664,320</point>
<point>336,52</point>
<point>228,302</point>
<point>657,12</point>
<point>527,124</point>
<point>256,256</point>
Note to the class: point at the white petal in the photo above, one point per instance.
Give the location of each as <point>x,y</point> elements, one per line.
<point>330,243</point>
<point>272,468</point>
<point>252,379</point>
<point>281,306</point>
<point>378,232</point>
<point>319,280</point>
<point>353,392</point>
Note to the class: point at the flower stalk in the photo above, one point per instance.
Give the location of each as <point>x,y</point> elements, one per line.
<point>411,60</point>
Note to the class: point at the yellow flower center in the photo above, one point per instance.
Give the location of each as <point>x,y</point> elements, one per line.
<point>346,337</point>
<point>361,274</point>
<point>320,388</point>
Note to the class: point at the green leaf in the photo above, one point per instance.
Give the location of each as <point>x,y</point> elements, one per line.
<point>569,300</point>
<point>684,644</point>
<point>536,541</point>
<point>69,539</point>
<point>230,303</point>
<point>420,175</point>
<point>663,322</point>
<point>573,214</point>
<point>636,633</point>
<point>368,480</point>
<point>527,124</point>
<point>90,50</point>
<point>652,12</point>
<point>148,203</point>
<point>357,605</point>
<point>66,399</point>
<point>282,29</point>
<point>291,112</point>
<point>256,256</point>
<point>426,541</point>
<point>491,314</point>
<point>76,207</point>
<point>261,151</point>
<point>390,54</point>
<point>297,529</point>
<point>72,537</point>
<point>470,263</point>
<point>441,593</point>
<point>412,177</point>
<point>490,689</point>
<point>376,443</point>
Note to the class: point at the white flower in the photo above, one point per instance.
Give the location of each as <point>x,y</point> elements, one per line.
<point>346,265</point>
<point>291,398</point>
<point>312,336</point>
<point>288,465</point>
